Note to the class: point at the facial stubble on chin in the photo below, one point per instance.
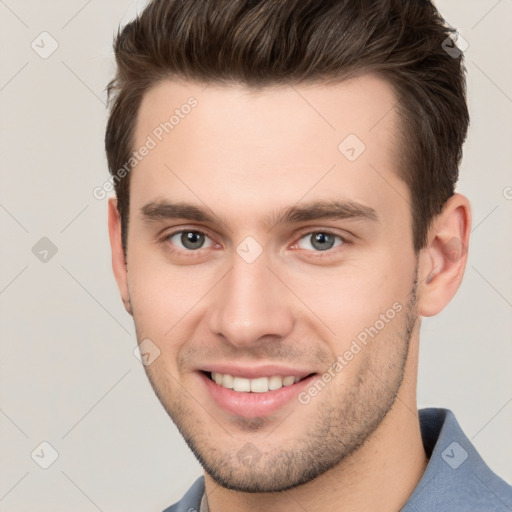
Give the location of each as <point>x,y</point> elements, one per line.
<point>336,431</point>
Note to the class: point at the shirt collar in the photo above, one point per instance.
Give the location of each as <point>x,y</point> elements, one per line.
<point>456,477</point>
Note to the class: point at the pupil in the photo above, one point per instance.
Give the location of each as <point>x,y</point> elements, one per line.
<point>322,241</point>
<point>192,239</point>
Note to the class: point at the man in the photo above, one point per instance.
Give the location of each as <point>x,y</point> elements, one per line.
<point>285,214</point>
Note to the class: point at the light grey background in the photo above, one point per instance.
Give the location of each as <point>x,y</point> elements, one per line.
<point>68,373</point>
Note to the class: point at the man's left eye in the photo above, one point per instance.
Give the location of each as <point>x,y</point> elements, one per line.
<point>320,241</point>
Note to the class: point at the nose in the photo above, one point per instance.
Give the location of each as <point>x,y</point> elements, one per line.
<point>251,305</point>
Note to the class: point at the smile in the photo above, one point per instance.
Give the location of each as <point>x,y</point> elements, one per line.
<point>258,385</point>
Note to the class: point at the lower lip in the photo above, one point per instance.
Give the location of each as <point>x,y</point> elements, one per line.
<point>252,405</point>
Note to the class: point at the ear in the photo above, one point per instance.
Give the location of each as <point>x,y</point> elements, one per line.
<point>443,260</point>
<point>118,258</point>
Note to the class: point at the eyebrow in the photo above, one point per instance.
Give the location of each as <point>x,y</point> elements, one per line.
<point>318,210</point>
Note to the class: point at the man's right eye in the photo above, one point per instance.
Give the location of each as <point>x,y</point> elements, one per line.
<point>189,240</point>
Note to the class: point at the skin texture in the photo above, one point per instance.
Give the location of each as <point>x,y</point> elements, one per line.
<point>244,154</point>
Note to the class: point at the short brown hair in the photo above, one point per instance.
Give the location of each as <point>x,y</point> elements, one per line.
<point>268,42</point>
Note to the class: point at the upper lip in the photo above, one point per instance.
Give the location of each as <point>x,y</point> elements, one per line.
<point>253,372</point>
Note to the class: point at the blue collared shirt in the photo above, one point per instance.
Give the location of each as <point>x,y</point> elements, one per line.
<point>456,478</point>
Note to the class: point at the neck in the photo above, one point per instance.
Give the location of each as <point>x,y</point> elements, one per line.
<point>380,475</point>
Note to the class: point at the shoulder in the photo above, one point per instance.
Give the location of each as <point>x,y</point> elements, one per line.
<point>456,478</point>
<point>192,500</point>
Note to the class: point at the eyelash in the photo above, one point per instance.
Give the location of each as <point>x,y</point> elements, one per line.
<point>198,252</point>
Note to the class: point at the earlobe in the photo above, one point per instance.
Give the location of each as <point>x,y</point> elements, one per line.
<point>119,265</point>
<point>128,306</point>
<point>443,259</point>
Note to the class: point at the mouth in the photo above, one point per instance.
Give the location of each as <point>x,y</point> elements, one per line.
<point>255,385</point>
<point>264,390</point>
<point>264,394</point>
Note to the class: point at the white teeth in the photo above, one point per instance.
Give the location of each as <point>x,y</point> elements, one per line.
<point>288,381</point>
<point>241,384</point>
<point>275,382</point>
<point>259,385</point>
<point>228,381</point>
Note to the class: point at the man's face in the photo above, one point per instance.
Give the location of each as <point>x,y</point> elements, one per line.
<point>248,292</point>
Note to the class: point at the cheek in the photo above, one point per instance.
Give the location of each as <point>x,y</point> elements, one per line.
<point>165,298</point>
<point>345,301</point>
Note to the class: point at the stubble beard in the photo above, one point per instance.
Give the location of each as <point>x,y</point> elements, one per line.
<point>338,430</point>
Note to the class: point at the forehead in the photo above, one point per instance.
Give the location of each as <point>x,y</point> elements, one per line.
<point>315,111</point>
<point>236,146</point>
